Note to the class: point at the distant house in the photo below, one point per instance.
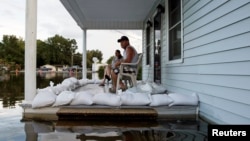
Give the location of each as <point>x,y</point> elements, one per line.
<point>47,68</point>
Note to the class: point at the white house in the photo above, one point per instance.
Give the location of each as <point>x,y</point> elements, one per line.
<point>189,46</point>
<point>204,47</point>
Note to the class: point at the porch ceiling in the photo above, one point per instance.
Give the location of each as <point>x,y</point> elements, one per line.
<point>109,14</point>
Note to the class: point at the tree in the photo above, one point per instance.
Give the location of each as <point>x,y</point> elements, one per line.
<point>93,53</point>
<point>78,59</point>
<point>55,50</point>
<point>43,53</point>
<point>61,50</point>
<point>12,50</point>
<point>109,61</point>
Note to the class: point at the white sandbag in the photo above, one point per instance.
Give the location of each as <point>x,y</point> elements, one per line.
<point>82,98</point>
<point>158,88</point>
<point>51,89</point>
<point>134,90</point>
<point>73,79</point>
<point>135,98</point>
<point>160,100</point>
<point>64,98</point>
<point>107,99</point>
<point>75,82</point>
<point>59,88</point>
<point>82,82</point>
<point>146,87</point>
<point>68,84</point>
<point>43,99</point>
<point>183,99</point>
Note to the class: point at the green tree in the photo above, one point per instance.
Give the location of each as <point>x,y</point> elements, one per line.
<point>57,50</point>
<point>61,50</point>
<point>43,53</point>
<point>109,61</point>
<point>93,53</point>
<point>78,59</point>
<point>12,50</point>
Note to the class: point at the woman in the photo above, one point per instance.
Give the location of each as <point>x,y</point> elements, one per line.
<point>107,71</point>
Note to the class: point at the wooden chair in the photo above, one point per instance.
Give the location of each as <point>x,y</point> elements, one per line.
<point>131,77</point>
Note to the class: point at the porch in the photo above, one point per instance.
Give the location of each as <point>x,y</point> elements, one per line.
<point>108,111</point>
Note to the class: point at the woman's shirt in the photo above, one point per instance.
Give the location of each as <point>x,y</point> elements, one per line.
<point>116,59</point>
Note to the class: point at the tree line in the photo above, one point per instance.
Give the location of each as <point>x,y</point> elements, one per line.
<point>55,50</point>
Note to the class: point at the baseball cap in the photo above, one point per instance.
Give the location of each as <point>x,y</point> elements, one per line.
<point>123,38</point>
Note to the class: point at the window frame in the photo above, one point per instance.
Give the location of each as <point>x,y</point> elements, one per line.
<point>179,60</point>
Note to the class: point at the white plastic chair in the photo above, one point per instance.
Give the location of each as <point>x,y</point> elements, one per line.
<point>131,77</point>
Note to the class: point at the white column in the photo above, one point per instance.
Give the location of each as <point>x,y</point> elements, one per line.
<point>84,55</point>
<point>30,50</point>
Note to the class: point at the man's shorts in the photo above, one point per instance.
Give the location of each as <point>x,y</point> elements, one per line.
<point>125,70</point>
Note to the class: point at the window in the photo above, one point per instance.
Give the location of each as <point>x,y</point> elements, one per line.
<point>157,48</point>
<point>175,39</point>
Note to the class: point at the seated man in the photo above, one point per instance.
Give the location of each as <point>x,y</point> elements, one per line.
<point>108,68</point>
<point>130,55</point>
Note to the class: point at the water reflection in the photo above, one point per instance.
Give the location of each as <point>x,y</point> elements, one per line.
<point>113,131</point>
<point>12,85</point>
<point>12,89</point>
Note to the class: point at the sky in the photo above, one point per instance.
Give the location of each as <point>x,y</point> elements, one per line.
<point>53,18</point>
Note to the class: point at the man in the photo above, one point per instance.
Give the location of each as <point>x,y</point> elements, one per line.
<point>130,55</point>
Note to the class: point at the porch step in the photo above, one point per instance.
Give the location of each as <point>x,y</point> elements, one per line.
<point>66,113</point>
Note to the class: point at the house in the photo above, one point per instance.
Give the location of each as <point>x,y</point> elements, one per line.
<point>189,46</point>
<point>47,67</point>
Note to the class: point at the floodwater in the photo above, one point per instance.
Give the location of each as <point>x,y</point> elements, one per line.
<point>13,128</point>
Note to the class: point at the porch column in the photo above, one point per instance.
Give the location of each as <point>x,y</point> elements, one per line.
<point>84,55</point>
<point>30,50</point>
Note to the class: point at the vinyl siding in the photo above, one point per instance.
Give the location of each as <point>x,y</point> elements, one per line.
<point>216,59</point>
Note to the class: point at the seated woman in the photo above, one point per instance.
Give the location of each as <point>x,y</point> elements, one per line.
<point>107,71</point>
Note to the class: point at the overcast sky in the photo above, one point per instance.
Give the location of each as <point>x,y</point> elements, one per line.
<point>53,19</point>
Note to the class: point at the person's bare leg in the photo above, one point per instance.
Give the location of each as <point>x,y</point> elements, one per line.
<point>105,73</point>
<point>108,70</point>
<point>114,80</point>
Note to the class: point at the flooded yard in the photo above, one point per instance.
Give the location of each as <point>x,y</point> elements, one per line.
<point>13,128</point>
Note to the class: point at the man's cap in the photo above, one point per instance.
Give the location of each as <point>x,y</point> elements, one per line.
<point>123,38</point>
